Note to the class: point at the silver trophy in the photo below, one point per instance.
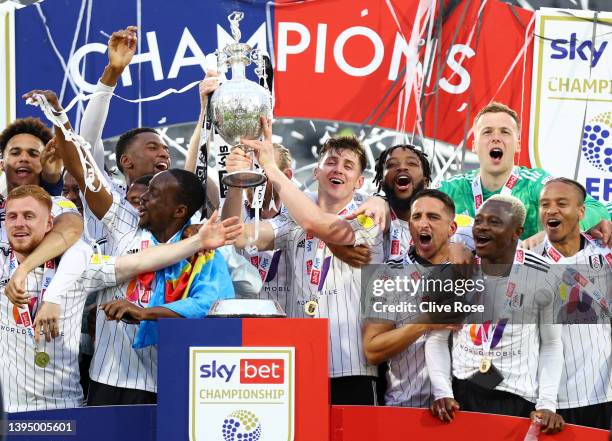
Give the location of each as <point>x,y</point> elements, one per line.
<point>238,104</point>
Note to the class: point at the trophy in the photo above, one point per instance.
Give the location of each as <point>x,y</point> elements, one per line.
<point>238,104</point>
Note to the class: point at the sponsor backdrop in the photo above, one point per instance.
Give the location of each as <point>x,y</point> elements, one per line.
<point>571,130</point>
<point>418,66</point>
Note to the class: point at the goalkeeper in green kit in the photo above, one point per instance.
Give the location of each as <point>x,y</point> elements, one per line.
<point>496,139</point>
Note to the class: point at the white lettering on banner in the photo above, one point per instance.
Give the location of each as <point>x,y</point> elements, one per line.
<point>300,37</point>
<point>152,56</point>
<point>75,62</point>
<point>180,60</point>
<point>284,48</point>
<point>379,51</point>
<point>454,65</point>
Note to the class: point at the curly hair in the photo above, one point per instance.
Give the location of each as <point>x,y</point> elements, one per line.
<point>30,126</point>
<point>382,159</point>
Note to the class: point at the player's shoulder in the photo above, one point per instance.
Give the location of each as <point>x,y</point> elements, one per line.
<point>534,260</point>
<point>62,205</point>
<point>534,174</point>
<point>457,180</point>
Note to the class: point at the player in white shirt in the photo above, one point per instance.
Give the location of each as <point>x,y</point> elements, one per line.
<point>322,286</point>
<point>503,368</point>
<point>585,392</point>
<point>399,338</point>
<point>40,374</point>
<point>273,266</point>
<point>121,374</point>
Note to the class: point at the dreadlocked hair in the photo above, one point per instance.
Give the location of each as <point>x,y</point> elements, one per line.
<point>380,163</point>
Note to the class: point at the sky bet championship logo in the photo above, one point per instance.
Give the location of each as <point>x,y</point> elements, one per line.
<point>597,143</point>
<point>242,394</point>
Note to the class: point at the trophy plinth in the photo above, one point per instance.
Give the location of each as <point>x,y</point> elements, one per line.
<point>238,104</point>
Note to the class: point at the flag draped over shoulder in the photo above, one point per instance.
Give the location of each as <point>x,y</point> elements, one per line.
<point>189,288</point>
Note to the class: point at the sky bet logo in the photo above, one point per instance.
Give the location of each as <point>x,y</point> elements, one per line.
<point>252,371</point>
<point>573,48</point>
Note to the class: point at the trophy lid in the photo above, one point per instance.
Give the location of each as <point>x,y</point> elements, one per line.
<point>246,308</point>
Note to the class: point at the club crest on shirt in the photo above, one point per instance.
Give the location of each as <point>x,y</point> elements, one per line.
<point>596,262</point>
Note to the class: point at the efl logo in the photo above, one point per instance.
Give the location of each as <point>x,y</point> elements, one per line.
<point>262,371</point>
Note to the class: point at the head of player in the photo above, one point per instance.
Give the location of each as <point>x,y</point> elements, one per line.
<point>339,170</point>
<point>173,196</point>
<point>283,160</point>
<point>136,189</point>
<point>22,143</point>
<point>496,139</point>
<point>141,152</point>
<point>498,226</point>
<point>432,225</point>
<point>401,172</point>
<point>28,218</point>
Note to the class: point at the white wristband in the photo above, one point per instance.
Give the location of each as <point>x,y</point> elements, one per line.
<point>61,118</point>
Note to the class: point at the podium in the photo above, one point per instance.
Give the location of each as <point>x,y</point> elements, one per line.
<point>309,337</point>
<point>313,417</point>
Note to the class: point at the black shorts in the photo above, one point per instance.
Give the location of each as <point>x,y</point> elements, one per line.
<point>354,391</point>
<point>597,415</point>
<point>105,395</point>
<point>474,398</point>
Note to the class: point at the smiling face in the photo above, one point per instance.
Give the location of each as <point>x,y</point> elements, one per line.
<point>158,205</point>
<point>402,177</point>
<point>561,209</point>
<point>496,139</point>
<point>495,230</point>
<point>146,154</point>
<point>71,191</point>
<point>431,226</point>
<point>338,174</point>
<point>27,222</point>
<point>21,160</point>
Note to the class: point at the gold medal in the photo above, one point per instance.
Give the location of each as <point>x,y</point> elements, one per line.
<point>485,365</point>
<point>41,359</point>
<point>311,308</point>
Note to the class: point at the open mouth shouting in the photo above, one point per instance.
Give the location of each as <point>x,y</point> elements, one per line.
<point>336,180</point>
<point>552,224</point>
<point>403,182</point>
<point>424,243</point>
<point>481,240</point>
<point>161,166</point>
<point>496,154</point>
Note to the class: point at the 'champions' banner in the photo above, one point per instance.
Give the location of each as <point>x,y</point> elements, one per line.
<point>408,65</point>
<point>571,130</point>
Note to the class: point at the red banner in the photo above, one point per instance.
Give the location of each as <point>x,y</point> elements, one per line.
<point>367,63</point>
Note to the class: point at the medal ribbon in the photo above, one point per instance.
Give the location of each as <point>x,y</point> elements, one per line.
<point>572,276</point>
<point>25,314</point>
<point>395,232</point>
<point>506,189</point>
<point>512,297</point>
<point>314,267</point>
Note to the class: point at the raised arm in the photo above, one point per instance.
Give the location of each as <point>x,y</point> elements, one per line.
<point>207,86</point>
<point>326,226</point>
<point>121,48</point>
<point>210,236</point>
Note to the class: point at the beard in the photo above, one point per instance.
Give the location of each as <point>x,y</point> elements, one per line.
<point>398,203</point>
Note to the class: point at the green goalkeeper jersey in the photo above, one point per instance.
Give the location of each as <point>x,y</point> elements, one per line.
<point>527,189</point>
